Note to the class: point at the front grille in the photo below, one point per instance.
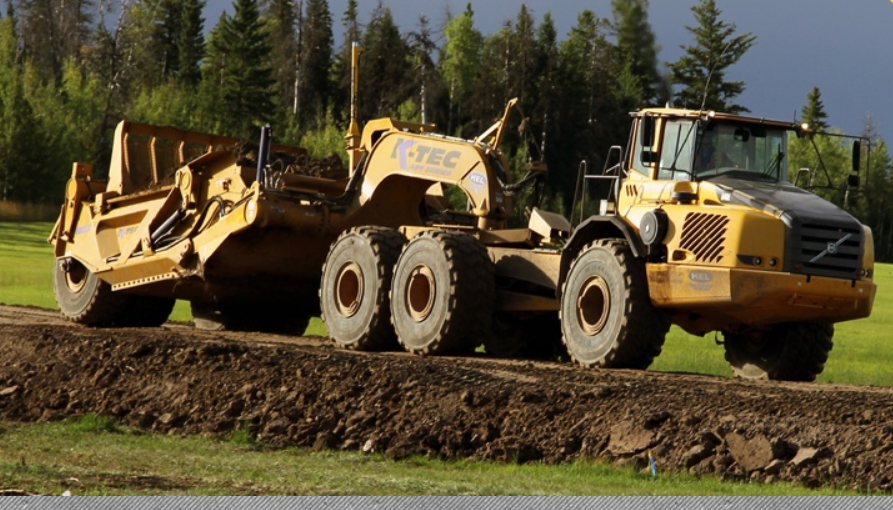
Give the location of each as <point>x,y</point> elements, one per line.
<point>829,251</point>
<point>705,236</point>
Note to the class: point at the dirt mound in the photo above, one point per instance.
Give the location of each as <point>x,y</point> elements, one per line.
<point>305,392</point>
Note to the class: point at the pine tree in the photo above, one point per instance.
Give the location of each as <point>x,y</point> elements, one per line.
<point>341,67</point>
<point>190,42</point>
<point>637,50</point>
<point>701,71</point>
<point>586,115</point>
<point>241,82</point>
<point>316,62</point>
<point>813,112</point>
<point>547,77</point>
<point>384,66</point>
<point>422,45</point>
<point>282,18</point>
<point>523,59</point>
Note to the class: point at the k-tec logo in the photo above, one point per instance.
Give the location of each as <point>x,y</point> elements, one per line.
<point>410,152</point>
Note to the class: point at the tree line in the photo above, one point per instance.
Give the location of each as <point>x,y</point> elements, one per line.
<point>71,69</point>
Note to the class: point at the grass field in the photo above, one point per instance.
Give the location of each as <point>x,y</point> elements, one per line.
<point>51,458</point>
<point>91,451</point>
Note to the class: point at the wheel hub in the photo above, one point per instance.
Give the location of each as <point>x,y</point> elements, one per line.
<point>593,304</point>
<point>75,275</point>
<point>420,292</point>
<point>349,289</point>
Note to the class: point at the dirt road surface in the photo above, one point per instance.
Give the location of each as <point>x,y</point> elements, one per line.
<point>305,392</point>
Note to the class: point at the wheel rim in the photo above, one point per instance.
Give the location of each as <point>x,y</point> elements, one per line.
<point>593,304</point>
<point>420,291</point>
<point>75,276</point>
<point>349,289</point>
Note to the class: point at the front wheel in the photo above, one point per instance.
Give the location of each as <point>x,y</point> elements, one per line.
<point>85,299</point>
<point>607,318</point>
<point>784,352</point>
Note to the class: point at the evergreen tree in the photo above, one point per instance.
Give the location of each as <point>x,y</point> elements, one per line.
<point>316,63</point>
<point>813,112</point>
<point>384,66</point>
<point>238,73</point>
<point>701,71</point>
<point>523,60</point>
<point>637,51</point>
<point>282,18</point>
<point>546,73</point>
<point>873,204</point>
<point>190,42</point>
<point>341,67</point>
<point>587,118</point>
<point>422,46</point>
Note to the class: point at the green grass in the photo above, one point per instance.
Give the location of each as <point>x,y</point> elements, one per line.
<point>87,456</point>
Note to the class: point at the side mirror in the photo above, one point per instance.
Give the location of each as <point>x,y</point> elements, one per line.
<point>857,155</point>
<point>853,181</point>
<point>802,171</point>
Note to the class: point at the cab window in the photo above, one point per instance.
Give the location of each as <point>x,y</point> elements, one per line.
<point>676,150</point>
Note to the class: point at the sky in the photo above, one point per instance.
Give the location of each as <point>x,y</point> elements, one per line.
<point>839,46</point>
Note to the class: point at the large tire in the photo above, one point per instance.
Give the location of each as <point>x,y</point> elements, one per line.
<point>607,318</point>
<point>265,318</point>
<point>354,294</point>
<point>443,294</point>
<point>785,352</point>
<point>85,299</point>
<point>525,336</point>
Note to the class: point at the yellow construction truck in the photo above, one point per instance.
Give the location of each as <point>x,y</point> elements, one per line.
<point>699,227</point>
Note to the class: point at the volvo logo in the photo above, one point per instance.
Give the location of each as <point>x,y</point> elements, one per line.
<point>831,248</point>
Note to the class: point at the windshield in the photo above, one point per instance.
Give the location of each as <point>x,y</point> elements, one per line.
<point>692,150</point>
<point>750,152</point>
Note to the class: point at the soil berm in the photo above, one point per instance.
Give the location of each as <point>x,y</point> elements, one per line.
<point>305,392</point>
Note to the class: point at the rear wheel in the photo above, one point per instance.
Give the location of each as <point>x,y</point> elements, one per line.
<point>356,282</point>
<point>607,317</point>
<point>84,298</point>
<point>784,352</point>
<point>443,294</point>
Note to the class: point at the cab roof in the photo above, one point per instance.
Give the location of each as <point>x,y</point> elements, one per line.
<point>710,114</point>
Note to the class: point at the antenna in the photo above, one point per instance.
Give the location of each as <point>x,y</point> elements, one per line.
<point>710,75</point>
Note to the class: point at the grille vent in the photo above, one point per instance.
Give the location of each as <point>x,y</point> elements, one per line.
<point>705,236</point>
<point>830,251</point>
<point>632,190</point>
